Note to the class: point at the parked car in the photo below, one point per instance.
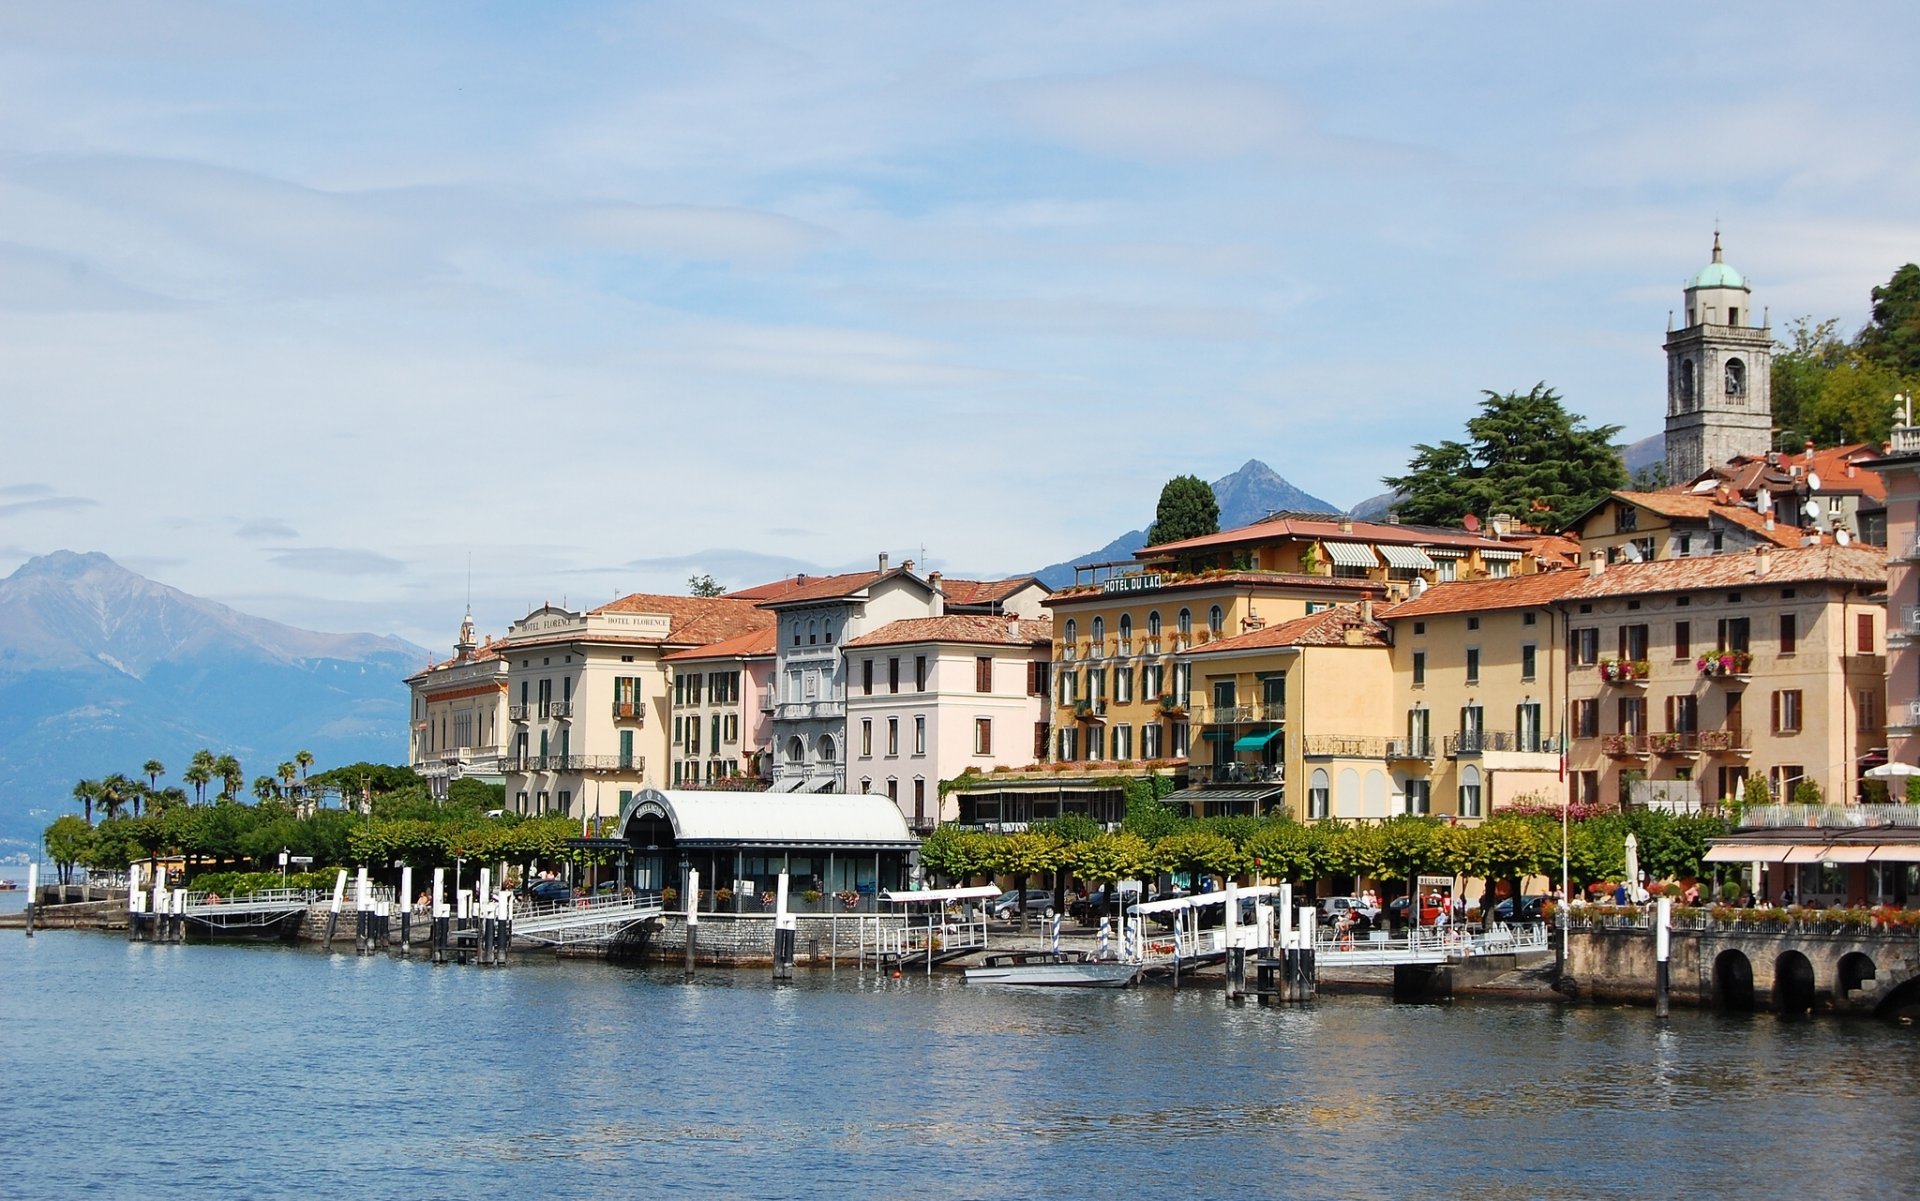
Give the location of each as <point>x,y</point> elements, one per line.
<point>1398,907</point>
<point>1365,916</point>
<point>550,891</point>
<point>1008,904</point>
<point>1533,909</point>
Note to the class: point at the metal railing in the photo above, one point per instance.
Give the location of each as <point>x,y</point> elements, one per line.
<point>1346,746</point>
<point>802,710</point>
<point>1410,748</point>
<point>1479,742</point>
<point>561,709</point>
<point>628,711</point>
<point>1780,817</point>
<point>1203,712</point>
<point>1235,773</point>
<point>519,712</point>
<point>575,763</point>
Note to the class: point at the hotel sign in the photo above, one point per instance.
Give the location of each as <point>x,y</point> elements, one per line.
<point>1131,583</point>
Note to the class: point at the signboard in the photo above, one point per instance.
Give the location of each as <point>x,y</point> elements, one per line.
<point>301,860</point>
<point>1436,881</point>
<point>1131,583</point>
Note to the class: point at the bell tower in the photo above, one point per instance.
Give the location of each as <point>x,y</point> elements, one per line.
<point>1719,375</point>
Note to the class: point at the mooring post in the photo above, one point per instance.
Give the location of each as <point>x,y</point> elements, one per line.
<point>1236,974</point>
<point>693,915</point>
<point>483,914</point>
<point>506,925</point>
<point>1662,924</point>
<point>437,931</point>
<point>1308,981</point>
<point>134,898</point>
<point>785,932</point>
<point>156,931</point>
<point>361,906</point>
<point>33,894</point>
<point>462,900</point>
<point>333,910</point>
<point>406,908</point>
<point>180,915</point>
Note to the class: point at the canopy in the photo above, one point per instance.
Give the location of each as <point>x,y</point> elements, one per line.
<point>1256,742</point>
<point>941,896</point>
<point>1350,554</point>
<point>1744,852</point>
<point>787,783</point>
<point>1410,557</point>
<point>1171,904</point>
<point>1486,553</point>
<point>1889,771</point>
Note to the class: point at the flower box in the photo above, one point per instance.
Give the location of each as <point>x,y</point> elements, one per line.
<point>1724,663</point>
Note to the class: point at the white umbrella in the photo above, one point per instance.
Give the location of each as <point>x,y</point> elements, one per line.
<point>1891,771</point>
<point>1633,868</point>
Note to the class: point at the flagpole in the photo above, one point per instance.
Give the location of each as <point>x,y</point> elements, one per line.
<point>1566,809</point>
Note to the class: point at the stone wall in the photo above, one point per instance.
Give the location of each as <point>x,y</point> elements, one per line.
<point>748,938</point>
<point>1616,962</point>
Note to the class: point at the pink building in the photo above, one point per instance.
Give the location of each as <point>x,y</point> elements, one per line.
<point>722,700</point>
<point>1901,470</point>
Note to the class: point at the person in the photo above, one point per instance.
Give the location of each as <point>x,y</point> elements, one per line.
<point>1691,896</point>
<point>421,902</point>
<point>1620,893</point>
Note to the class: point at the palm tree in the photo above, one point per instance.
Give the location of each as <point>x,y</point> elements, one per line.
<point>154,770</point>
<point>305,760</point>
<point>231,777</point>
<point>264,787</point>
<point>86,792</point>
<point>115,791</point>
<point>285,772</point>
<point>199,777</point>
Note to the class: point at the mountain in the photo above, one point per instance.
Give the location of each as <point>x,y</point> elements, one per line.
<point>102,669</point>
<point>1245,497</point>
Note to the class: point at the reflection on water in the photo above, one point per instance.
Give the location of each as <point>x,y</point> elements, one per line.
<point>298,1072</point>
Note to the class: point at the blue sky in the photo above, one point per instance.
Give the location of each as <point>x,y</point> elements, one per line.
<point>306,306</point>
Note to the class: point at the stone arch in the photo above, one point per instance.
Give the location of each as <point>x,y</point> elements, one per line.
<point>1793,986</point>
<point>826,748</point>
<point>796,750</point>
<point>1902,1003</point>
<point>1376,802</point>
<point>1856,968</point>
<point>1733,981</point>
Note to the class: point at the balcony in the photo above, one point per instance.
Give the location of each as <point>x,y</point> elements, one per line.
<point>1344,746</point>
<point>1625,673</point>
<point>1674,743</point>
<point>1907,727</point>
<point>1410,748</point>
<point>1731,740</point>
<point>1227,715</point>
<point>1625,746</point>
<point>628,711</point>
<point>582,763</point>
<point>1732,666</point>
<point>809,710</point>
<point>1903,625</point>
<point>560,709</point>
<point>1233,775</point>
<point>1481,742</point>
<point>519,713</point>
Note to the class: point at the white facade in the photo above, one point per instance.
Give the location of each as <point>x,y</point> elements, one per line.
<point>458,720</point>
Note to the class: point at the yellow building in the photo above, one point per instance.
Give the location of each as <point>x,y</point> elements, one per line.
<point>1401,557</point>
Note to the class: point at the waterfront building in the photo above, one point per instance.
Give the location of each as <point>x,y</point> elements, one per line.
<point>932,697</point>
<point>1719,375</point>
<point>1479,688</point>
<point>1900,471</point>
<point>722,713</point>
<point>1685,676</point>
<point>1292,718</point>
<point>589,696</point>
<point>816,616</point>
<point>458,708</point>
<point>1333,546</point>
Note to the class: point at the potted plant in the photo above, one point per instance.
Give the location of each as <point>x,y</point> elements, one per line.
<point>723,896</point>
<point>811,896</point>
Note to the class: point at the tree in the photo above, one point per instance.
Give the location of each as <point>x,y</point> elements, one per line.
<point>227,768</point>
<point>703,585</point>
<point>154,769</point>
<point>116,791</point>
<point>1525,454</point>
<point>1854,403</point>
<point>87,792</point>
<point>199,777</point>
<point>285,772</point>
<point>1800,367</point>
<point>1187,509</point>
<point>264,788</point>
<point>304,759</point>
<point>68,840</point>
<point>1892,335</point>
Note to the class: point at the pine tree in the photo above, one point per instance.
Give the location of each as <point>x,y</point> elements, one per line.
<point>1187,509</point>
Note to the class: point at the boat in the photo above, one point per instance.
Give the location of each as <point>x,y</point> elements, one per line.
<point>1056,969</point>
<point>9,885</point>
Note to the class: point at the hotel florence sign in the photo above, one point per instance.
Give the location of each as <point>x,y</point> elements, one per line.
<point>637,625</point>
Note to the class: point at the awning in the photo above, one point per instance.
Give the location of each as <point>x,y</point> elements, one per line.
<point>1256,742</point>
<point>1446,552</point>
<point>787,783</point>
<point>1744,852</point>
<point>1858,852</point>
<point>1409,557</point>
<point>1899,852</point>
<point>1499,554</point>
<point>941,896</point>
<point>1350,554</point>
<point>1805,854</point>
<point>822,785</point>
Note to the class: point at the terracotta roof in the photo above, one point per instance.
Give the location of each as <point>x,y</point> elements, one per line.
<point>695,619</point>
<point>1272,579</point>
<point>741,646</point>
<point>983,592</point>
<point>1837,467</point>
<point>1329,627</point>
<point>830,587</point>
<point>1848,564</point>
<point>1554,551</point>
<point>1705,506</point>
<point>1667,504</point>
<point>1475,596</point>
<point>1314,527</point>
<point>959,627</point>
<point>1780,535</point>
<point>770,591</point>
<point>490,649</point>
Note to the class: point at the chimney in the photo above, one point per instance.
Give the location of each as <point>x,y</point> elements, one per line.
<point>1596,563</point>
<point>1346,523</point>
<point>1392,517</point>
<point>1419,584</point>
<point>883,560</point>
<point>1809,450</point>
<point>1013,629</point>
<point>1366,609</point>
<point>1500,523</point>
<point>1762,557</point>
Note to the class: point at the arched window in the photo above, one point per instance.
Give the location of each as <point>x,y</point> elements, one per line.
<point>1186,622</point>
<point>1099,635</point>
<point>1736,377</point>
<point>1686,384</point>
<point>1216,620</point>
<point>813,632</point>
<point>826,628</point>
<point>796,750</point>
<point>1319,794</point>
<point>796,631</point>
<point>1073,636</point>
<point>1469,791</point>
<point>826,748</point>
<point>1126,632</point>
<point>1153,624</point>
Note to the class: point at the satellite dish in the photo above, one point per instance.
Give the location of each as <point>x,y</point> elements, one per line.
<point>1811,510</point>
<point>1842,537</point>
<point>1631,552</point>
<point>1813,481</point>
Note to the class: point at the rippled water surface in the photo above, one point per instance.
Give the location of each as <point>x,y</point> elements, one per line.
<point>237,1071</point>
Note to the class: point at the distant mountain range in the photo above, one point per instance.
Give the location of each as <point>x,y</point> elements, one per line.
<point>1245,497</point>
<point>102,669</point>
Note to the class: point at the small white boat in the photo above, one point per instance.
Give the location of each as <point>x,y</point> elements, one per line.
<point>1056,969</point>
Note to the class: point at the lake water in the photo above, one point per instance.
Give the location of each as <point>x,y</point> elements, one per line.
<point>235,1071</point>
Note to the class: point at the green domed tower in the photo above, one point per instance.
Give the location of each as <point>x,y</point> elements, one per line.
<point>1719,398</point>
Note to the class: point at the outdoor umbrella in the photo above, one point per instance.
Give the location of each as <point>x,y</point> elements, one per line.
<point>1633,868</point>
<point>1890,771</point>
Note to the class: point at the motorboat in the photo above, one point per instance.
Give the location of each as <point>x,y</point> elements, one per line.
<point>1056,969</point>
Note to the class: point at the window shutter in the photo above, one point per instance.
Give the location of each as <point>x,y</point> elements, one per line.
<point>1776,713</point>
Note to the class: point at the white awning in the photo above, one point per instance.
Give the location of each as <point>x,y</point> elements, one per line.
<point>1198,899</point>
<point>1899,852</point>
<point>1410,557</point>
<point>787,783</point>
<point>941,896</point>
<point>1857,852</point>
<point>1744,852</point>
<point>1499,554</point>
<point>1806,854</point>
<point>1446,552</point>
<point>1350,554</point>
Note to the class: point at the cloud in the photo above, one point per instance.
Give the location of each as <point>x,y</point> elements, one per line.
<point>740,568</point>
<point>265,527</point>
<point>38,280</point>
<point>46,503</point>
<point>694,232</point>
<point>1161,115</point>
<point>25,489</point>
<point>330,560</point>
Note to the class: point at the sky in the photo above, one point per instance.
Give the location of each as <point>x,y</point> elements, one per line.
<point>344,313</point>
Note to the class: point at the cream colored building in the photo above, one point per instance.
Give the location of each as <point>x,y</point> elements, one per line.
<point>589,697</point>
<point>459,721</point>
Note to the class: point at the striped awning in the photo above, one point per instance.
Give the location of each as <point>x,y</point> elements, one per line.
<point>1410,557</point>
<point>1350,554</point>
<point>1446,552</point>
<point>1499,554</point>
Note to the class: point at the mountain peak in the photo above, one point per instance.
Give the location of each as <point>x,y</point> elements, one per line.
<point>1256,490</point>
<point>67,564</point>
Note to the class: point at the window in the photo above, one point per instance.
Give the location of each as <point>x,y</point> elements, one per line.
<point>866,677</point>
<point>919,673</point>
<point>1223,695</point>
<point>1733,632</point>
<point>733,728</point>
<point>1073,639</point>
<point>1863,634</point>
<point>1419,796</point>
<point>1683,640</point>
<point>893,675</point>
<point>1152,678</point>
<point>866,737</point>
<point>1473,623</point>
<point>1153,624</point>
<point>1419,627</point>
<point>796,631</point>
<point>893,736</point>
<point>1586,788</point>
<point>1150,741</point>
<point>1527,727</point>
<point>1633,714</point>
<point>1473,723</point>
<point>1625,517</point>
<point>1319,795</point>
<point>919,801</point>
<point>1123,685</point>
<point>1419,669</point>
<point>1099,635</point>
<point>1586,647</point>
<point>983,736</point>
<point>1473,665</point>
<point>1783,778</point>
<point>1469,791</point>
<point>1789,633</point>
<point>1586,719</point>
<point>1068,743</point>
<point>1419,732</point>
<point>1216,620</point>
<point>1126,633</point>
<point>1528,618</point>
<point>893,790</point>
<point>826,629</point>
<point>813,632</point>
<point>1096,742</point>
<point>1786,711</point>
<point>919,735</point>
<point>1529,656</point>
<point>1180,736</point>
<point>1123,742</point>
<point>1185,623</point>
<point>826,748</point>
<point>983,673</point>
<point>1097,684</point>
<point>1633,642</point>
<point>1446,570</point>
<point>1499,569</point>
<point>1866,713</point>
<point>626,748</point>
<point>1683,714</point>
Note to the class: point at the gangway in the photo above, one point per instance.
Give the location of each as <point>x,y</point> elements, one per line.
<point>584,921</point>
<point>1427,945</point>
<point>250,912</point>
<point>1185,946</point>
<point>929,930</point>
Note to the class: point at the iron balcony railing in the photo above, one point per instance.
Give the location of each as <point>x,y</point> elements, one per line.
<point>575,763</point>
<point>1344,746</point>
<point>1479,742</point>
